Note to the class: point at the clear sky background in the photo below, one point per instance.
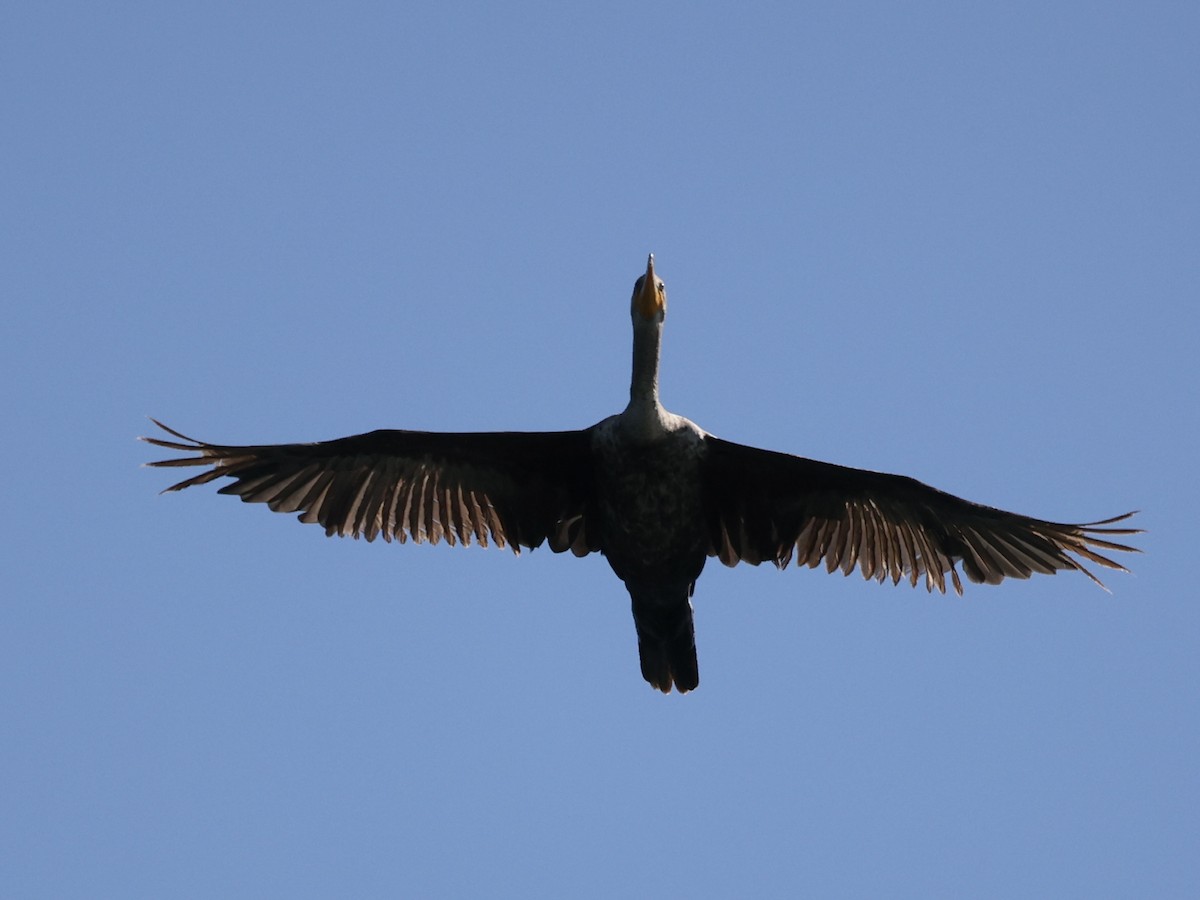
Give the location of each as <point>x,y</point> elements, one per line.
<point>956,241</point>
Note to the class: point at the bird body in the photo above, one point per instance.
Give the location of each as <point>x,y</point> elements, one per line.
<point>653,492</point>
<point>651,519</point>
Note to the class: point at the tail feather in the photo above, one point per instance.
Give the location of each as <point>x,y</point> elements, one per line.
<point>666,636</point>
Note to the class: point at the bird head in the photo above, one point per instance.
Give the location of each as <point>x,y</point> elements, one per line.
<point>649,296</point>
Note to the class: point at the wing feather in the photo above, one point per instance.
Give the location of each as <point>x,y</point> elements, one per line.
<point>764,505</point>
<point>506,488</point>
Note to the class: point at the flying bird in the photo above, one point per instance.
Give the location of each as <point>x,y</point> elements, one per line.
<point>655,494</point>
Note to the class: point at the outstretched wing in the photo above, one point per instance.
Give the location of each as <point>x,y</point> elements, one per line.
<point>776,507</point>
<point>509,488</point>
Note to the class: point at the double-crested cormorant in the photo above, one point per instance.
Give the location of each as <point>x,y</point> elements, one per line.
<point>653,492</point>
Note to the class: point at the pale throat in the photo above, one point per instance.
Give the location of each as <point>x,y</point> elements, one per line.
<point>644,411</point>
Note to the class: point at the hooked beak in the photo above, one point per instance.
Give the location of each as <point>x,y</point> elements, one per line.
<point>651,301</point>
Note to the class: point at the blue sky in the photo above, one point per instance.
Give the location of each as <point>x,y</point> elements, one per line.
<point>948,240</point>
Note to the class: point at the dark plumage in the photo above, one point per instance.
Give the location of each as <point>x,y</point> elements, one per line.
<point>655,494</point>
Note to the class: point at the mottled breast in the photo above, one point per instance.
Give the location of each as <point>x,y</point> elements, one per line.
<point>649,502</point>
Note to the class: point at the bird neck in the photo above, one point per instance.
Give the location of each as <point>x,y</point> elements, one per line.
<point>644,409</point>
